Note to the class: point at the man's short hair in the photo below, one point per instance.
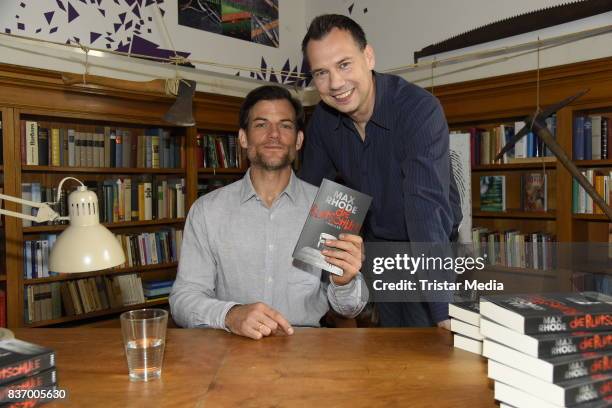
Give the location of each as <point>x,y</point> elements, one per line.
<point>270,93</point>
<point>322,25</point>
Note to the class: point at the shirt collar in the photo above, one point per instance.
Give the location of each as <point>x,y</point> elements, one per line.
<point>380,114</point>
<point>248,191</point>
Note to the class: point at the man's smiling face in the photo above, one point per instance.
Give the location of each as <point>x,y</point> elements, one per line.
<point>342,73</point>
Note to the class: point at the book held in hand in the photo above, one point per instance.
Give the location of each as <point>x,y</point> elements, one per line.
<point>550,313</point>
<point>336,210</point>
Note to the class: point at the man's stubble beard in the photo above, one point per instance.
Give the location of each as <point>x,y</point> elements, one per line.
<point>258,160</point>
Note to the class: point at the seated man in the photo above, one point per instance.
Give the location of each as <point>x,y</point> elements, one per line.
<point>236,271</point>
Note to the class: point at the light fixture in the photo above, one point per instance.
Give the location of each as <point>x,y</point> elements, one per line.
<point>86,245</point>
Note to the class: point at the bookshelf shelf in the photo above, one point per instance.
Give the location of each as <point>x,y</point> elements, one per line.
<point>513,167</point>
<point>100,170</point>
<point>591,217</point>
<point>109,272</point>
<point>208,170</point>
<point>98,313</point>
<point>594,163</point>
<point>549,215</point>
<point>522,271</point>
<point>117,225</point>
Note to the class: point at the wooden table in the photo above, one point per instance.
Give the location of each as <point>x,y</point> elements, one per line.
<point>313,368</point>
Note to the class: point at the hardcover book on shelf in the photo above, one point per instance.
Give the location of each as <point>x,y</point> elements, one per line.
<point>20,359</point>
<point>549,313</point>
<point>336,209</point>
<point>493,193</point>
<point>535,197</point>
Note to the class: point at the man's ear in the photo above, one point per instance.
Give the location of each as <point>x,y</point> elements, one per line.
<point>370,56</point>
<point>300,140</point>
<point>242,138</point>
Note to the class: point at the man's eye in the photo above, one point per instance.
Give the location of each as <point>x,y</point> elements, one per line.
<point>345,65</point>
<point>260,124</point>
<point>319,74</point>
<point>287,126</point>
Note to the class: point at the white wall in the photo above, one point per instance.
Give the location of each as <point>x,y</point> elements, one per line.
<point>398,28</point>
<point>201,45</point>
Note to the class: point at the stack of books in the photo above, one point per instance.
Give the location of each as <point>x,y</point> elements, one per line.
<point>465,324</point>
<point>549,350</point>
<point>157,289</point>
<point>26,367</point>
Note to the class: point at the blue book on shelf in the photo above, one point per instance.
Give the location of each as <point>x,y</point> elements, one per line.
<point>530,144</point>
<point>588,138</point>
<point>578,142</point>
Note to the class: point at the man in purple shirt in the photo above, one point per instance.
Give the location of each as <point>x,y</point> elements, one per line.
<point>387,138</point>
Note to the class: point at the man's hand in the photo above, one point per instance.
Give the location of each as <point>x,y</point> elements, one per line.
<point>348,256</point>
<point>256,321</point>
<point>445,324</point>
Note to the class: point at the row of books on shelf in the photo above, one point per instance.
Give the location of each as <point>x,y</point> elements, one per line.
<point>591,137</point>
<point>534,192</point>
<point>582,203</point>
<point>514,249</point>
<point>46,144</point>
<point>140,249</point>
<point>543,350</point>
<point>208,185</point>
<point>54,300</point>
<point>120,199</point>
<point>218,151</point>
<point>486,143</point>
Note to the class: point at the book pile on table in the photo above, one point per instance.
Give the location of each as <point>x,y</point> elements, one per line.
<point>27,374</point>
<point>465,325</point>
<point>549,350</point>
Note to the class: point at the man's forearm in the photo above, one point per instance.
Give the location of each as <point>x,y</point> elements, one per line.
<point>194,309</point>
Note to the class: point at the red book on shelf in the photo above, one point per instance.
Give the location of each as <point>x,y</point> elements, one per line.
<point>199,151</point>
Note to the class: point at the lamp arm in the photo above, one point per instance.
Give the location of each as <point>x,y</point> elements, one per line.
<point>45,212</point>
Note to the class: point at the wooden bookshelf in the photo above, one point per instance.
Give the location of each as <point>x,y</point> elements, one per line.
<point>207,170</point>
<point>108,272</point>
<point>548,215</point>
<point>40,95</point>
<point>494,168</point>
<point>99,313</point>
<point>594,163</point>
<point>39,229</point>
<point>591,217</point>
<point>101,170</point>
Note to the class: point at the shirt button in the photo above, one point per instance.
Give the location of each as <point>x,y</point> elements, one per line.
<point>272,216</point>
<point>271,247</point>
<point>270,280</point>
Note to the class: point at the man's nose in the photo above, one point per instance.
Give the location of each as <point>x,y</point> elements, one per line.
<point>336,80</point>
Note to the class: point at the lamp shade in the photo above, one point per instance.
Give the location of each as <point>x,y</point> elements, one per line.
<point>85,245</point>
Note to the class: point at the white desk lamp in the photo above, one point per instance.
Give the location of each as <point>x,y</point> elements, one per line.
<point>85,245</point>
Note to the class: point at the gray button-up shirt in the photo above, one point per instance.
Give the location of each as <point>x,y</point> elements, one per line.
<point>237,251</point>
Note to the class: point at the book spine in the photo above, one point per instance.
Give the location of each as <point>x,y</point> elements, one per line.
<point>573,343</point>
<point>598,387</point>
<point>584,365</point>
<point>27,367</point>
<point>559,323</point>
<point>578,141</point>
